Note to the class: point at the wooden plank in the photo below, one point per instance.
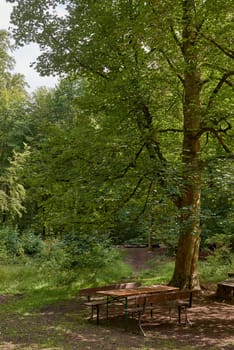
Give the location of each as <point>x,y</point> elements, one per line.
<point>92,292</point>
<point>137,291</point>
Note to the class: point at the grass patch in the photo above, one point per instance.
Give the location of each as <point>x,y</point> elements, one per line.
<point>215,268</point>
<point>20,278</point>
<point>159,271</point>
<point>211,270</point>
<point>27,288</point>
<point>34,300</point>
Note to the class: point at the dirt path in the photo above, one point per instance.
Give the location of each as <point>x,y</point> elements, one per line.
<point>139,257</point>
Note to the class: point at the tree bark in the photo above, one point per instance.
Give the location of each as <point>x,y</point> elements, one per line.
<point>186,266</point>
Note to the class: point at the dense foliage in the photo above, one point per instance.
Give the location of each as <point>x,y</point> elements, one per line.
<point>141,124</point>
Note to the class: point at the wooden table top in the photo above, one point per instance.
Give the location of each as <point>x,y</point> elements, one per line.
<point>137,291</point>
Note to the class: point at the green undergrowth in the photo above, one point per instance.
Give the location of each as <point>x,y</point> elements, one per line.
<point>158,271</point>
<point>34,286</point>
<point>212,270</point>
<point>215,268</point>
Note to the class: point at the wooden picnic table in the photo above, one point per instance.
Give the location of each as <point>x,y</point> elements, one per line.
<point>135,292</point>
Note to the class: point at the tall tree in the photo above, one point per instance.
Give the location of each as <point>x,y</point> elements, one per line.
<point>159,67</point>
<point>13,98</point>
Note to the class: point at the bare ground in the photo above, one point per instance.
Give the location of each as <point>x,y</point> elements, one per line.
<point>66,326</point>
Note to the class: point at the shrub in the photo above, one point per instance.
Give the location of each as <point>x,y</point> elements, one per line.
<point>32,245</point>
<point>14,245</point>
<point>94,259</point>
<point>10,242</point>
<point>83,258</point>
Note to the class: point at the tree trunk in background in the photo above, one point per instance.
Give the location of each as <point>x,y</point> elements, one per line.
<point>186,266</point>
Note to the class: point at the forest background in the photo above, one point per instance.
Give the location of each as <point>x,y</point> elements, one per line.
<point>135,144</point>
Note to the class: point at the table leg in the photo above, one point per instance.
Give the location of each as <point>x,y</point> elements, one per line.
<point>126,314</point>
<point>107,309</point>
<point>126,308</point>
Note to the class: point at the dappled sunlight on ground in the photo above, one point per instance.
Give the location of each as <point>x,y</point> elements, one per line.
<point>64,326</point>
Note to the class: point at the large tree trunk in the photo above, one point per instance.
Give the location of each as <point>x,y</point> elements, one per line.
<point>186,266</point>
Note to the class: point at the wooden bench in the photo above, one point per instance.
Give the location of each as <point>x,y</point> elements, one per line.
<point>95,301</point>
<point>182,300</point>
<point>225,289</point>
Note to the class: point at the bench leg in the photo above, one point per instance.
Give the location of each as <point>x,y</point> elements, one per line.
<point>97,309</point>
<point>107,309</point>
<point>139,324</point>
<point>179,314</point>
<point>185,308</point>
<point>92,312</point>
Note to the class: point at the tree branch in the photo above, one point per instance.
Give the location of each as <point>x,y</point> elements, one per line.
<point>151,143</point>
<point>216,134</point>
<point>147,198</point>
<point>227,52</point>
<point>130,196</point>
<point>175,70</point>
<point>219,86</point>
<point>170,130</point>
<point>178,42</point>
<point>132,164</point>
